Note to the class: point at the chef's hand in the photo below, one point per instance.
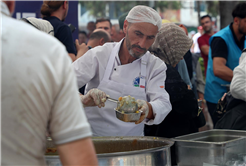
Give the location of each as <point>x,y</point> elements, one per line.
<point>144,108</point>
<point>94,97</point>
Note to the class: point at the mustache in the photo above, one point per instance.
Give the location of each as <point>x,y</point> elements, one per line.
<point>137,46</point>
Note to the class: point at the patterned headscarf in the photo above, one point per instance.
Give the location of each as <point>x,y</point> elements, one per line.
<point>171,44</point>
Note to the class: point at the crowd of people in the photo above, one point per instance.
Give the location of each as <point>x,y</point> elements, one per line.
<point>53,85</point>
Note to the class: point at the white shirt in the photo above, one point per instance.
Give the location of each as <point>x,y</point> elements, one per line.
<point>196,46</point>
<point>90,69</point>
<point>39,93</point>
<point>238,83</point>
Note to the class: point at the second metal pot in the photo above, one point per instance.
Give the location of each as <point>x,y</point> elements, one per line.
<point>128,151</point>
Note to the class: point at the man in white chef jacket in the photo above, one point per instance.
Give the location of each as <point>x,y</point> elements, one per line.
<point>121,69</point>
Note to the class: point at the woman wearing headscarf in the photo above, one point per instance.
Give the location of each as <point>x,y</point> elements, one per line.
<point>170,45</point>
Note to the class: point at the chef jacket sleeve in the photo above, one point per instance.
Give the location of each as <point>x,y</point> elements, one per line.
<point>85,68</point>
<point>157,95</point>
<point>68,121</point>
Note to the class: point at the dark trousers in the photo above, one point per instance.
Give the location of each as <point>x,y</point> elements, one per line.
<point>211,110</point>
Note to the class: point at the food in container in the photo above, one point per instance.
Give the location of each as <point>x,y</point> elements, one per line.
<point>127,104</point>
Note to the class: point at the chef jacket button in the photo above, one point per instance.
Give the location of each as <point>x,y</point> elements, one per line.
<point>114,69</point>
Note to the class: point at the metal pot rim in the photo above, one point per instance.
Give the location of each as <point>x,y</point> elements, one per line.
<point>169,142</point>
<point>135,152</point>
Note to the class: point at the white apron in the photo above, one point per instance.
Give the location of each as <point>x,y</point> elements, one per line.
<point>103,120</point>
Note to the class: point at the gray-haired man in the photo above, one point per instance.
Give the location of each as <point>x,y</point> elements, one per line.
<point>121,69</point>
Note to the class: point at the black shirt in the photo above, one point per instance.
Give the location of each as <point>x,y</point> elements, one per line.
<point>62,33</point>
<point>188,60</point>
<point>219,47</point>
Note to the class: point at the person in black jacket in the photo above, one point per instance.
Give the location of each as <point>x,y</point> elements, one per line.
<point>56,12</point>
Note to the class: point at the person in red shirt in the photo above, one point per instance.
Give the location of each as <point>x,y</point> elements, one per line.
<point>203,41</point>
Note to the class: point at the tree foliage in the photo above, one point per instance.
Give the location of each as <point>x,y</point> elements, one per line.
<point>226,8</point>
<point>98,8</point>
<point>213,8</point>
<point>162,5</point>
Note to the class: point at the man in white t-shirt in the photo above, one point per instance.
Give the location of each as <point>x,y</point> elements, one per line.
<point>39,95</point>
<point>125,68</point>
<point>195,47</point>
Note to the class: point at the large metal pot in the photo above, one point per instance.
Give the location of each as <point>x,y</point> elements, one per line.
<point>127,151</point>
